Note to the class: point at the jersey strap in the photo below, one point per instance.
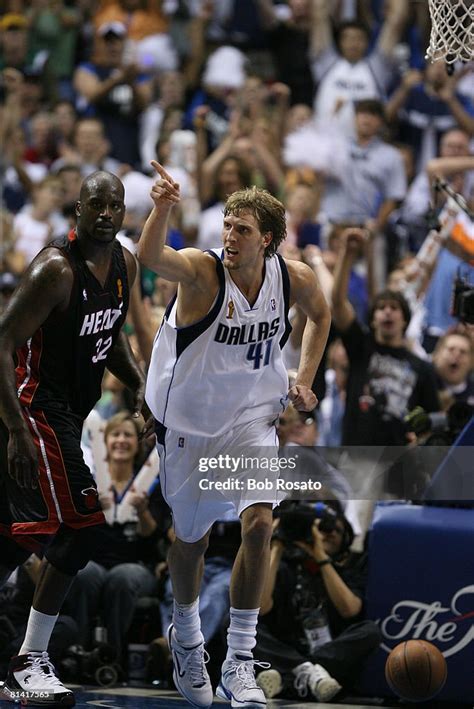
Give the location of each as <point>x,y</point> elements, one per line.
<point>189,333</point>
<point>286,298</point>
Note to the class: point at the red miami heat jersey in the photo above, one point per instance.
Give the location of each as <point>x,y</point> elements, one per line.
<point>63,363</point>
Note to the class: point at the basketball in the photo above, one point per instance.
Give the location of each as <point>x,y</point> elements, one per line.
<point>416,670</point>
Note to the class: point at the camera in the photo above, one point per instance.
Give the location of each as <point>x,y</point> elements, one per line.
<point>443,427</point>
<point>98,665</point>
<point>296,522</point>
<point>463,300</point>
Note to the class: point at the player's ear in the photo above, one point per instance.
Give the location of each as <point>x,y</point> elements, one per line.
<point>77,208</point>
<point>267,238</point>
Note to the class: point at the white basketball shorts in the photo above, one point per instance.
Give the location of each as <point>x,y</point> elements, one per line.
<point>204,478</point>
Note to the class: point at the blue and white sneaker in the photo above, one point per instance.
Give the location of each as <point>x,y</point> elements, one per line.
<point>238,684</point>
<point>189,672</point>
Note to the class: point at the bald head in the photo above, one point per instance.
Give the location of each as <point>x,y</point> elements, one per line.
<point>101,209</point>
<point>100,180</point>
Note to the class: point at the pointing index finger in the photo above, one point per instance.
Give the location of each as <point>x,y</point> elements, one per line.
<point>161,171</point>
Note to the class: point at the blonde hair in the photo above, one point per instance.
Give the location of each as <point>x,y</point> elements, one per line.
<point>267,210</point>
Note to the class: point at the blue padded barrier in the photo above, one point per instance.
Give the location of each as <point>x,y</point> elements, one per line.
<point>421,585</point>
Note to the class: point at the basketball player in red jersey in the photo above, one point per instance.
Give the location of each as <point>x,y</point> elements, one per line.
<point>61,329</point>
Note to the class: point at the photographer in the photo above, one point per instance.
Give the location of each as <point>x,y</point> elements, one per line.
<point>311,626</point>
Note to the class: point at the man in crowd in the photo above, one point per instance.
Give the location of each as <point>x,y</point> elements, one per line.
<point>385,379</point>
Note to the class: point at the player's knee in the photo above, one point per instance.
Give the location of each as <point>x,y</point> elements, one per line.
<point>373,634</point>
<point>71,549</point>
<point>192,549</point>
<point>122,579</point>
<point>257,526</point>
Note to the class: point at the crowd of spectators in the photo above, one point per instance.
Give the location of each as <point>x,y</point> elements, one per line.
<point>329,105</point>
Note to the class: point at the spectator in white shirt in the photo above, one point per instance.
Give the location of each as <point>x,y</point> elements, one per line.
<point>372,180</point>
<point>40,222</point>
<point>343,71</point>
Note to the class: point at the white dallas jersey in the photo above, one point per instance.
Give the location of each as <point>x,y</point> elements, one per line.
<point>226,369</point>
<point>346,83</point>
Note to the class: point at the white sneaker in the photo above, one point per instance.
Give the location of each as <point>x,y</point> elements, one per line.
<point>189,672</point>
<point>318,680</point>
<point>270,682</point>
<point>238,684</point>
<point>31,680</point>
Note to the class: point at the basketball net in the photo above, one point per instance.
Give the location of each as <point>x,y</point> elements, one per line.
<point>452,31</point>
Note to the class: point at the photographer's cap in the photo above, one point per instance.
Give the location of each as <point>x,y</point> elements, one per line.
<point>116,29</point>
<point>13,21</point>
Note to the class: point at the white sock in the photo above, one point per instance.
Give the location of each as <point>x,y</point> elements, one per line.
<point>241,635</point>
<point>38,632</point>
<point>187,623</point>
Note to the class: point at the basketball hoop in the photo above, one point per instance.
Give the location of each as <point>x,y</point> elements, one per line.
<point>452,31</point>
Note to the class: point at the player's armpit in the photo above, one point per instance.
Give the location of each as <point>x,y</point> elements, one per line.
<point>190,267</point>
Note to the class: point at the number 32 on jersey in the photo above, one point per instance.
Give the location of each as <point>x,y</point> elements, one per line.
<point>102,346</point>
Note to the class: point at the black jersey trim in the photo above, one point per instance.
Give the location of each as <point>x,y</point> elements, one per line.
<point>161,431</point>
<point>186,335</point>
<point>286,299</point>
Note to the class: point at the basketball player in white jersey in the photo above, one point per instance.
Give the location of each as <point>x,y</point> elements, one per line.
<point>217,381</point>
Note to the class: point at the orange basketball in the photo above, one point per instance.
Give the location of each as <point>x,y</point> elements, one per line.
<point>416,670</point>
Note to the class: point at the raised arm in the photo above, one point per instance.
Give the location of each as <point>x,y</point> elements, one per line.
<point>197,43</point>
<point>46,286</point>
<point>267,14</point>
<point>399,97</point>
<point>180,266</point>
<point>447,92</point>
<point>321,31</point>
<point>209,167</point>
<point>306,292</point>
<point>346,602</point>
<point>444,167</point>
<point>313,257</point>
<point>393,26</point>
<point>342,311</point>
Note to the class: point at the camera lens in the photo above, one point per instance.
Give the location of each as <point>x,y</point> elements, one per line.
<point>327,523</point>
